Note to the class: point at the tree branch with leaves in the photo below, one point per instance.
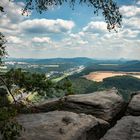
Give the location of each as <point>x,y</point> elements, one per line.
<point>108,8</point>
<point>3,52</point>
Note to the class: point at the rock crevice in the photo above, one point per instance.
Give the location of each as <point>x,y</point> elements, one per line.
<point>62,125</point>
<point>85,117</point>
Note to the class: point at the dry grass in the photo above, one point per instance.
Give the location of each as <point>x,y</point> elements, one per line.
<point>100,75</point>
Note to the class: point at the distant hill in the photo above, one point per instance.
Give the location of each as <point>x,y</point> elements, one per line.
<point>110,65</point>
<point>90,64</point>
<point>77,60</point>
<point>131,66</point>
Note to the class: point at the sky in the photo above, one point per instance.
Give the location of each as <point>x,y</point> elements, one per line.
<point>64,32</point>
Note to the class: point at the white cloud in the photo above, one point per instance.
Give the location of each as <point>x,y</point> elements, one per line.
<point>93,40</point>
<point>74,40</point>
<point>95,27</point>
<point>14,40</point>
<point>132,23</point>
<point>130,11</point>
<point>41,40</point>
<point>138,2</point>
<point>46,26</point>
<point>128,33</point>
<point>11,17</point>
<point>13,11</point>
<point>82,42</point>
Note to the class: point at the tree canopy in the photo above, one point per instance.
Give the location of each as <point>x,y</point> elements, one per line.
<point>2,42</point>
<point>2,47</point>
<point>109,8</point>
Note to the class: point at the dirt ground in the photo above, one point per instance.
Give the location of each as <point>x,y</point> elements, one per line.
<point>100,75</point>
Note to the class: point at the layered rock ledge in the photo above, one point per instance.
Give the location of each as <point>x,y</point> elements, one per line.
<point>107,105</point>
<point>84,117</point>
<point>61,125</point>
<point>128,128</point>
<point>134,105</point>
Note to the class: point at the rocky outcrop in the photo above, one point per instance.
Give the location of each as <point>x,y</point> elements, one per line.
<point>46,106</point>
<point>73,122</point>
<point>128,128</point>
<point>61,125</point>
<point>134,105</point>
<point>106,105</point>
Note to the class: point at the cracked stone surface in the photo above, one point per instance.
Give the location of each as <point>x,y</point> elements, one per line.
<point>134,106</point>
<point>61,125</point>
<point>128,128</point>
<point>103,104</point>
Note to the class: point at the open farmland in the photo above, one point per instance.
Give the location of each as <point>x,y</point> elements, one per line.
<point>100,75</point>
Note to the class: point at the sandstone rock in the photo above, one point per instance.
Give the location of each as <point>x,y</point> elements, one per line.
<point>128,128</point>
<point>134,106</point>
<point>46,106</point>
<point>61,125</point>
<point>106,105</point>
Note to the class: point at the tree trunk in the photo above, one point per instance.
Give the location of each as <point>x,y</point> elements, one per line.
<point>8,89</point>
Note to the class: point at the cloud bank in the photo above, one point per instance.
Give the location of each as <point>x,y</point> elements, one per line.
<point>38,37</point>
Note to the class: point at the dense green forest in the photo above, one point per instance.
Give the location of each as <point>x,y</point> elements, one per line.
<point>125,84</point>
<point>22,82</point>
<point>26,82</point>
<point>34,82</point>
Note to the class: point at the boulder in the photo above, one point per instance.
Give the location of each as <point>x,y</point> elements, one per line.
<point>106,105</point>
<point>134,105</point>
<point>61,125</point>
<point>46,106</point>
<point>128,128</point>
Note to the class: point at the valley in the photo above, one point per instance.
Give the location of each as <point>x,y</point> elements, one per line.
<point>79,75</point>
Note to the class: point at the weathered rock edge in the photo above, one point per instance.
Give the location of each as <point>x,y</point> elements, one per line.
<point>128,128</point>
<point>107,105</point>
<point>61,125</point>
<point>134,105</point>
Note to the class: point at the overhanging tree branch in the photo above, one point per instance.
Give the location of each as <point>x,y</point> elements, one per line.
<point>9,91</point>
<point>108,8</point>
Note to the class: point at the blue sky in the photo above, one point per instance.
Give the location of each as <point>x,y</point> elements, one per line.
<point>63,32</point>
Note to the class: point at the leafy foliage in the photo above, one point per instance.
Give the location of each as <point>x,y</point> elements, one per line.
<point>125,84</point>
<point>35,82</point>
<point>9,128</point>
<point>3,97</point>
<point>109,8</point>
<point>27,80</point>
<point>122,82</point>
<point>1,9</point>
<point>81,85</point>
<point>67,85</point>
<point>2,47</point>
